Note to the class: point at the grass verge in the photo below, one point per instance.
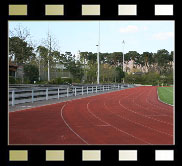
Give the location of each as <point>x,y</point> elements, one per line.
<point>166,94</point>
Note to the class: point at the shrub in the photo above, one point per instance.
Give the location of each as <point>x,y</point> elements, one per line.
<point>60,81</point>
<point>12,80</point>
<point>18,81</point>
<point>67,80</point>
<point>31,72</point>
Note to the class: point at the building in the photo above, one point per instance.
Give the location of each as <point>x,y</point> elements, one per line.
<point>13,70</point>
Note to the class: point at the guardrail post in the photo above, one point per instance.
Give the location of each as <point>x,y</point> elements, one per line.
<point>13,98</point>
<point>75,91</point>
<point>87,89</point>
<point>58,93</point>
<point>92,89</point>
<point>103,88</point>
<point>47,97</point>
<point>32,95</point>
<point>67,92</point>
<point>118,86</point>
<point>96,89</point>
<point>82,90</point>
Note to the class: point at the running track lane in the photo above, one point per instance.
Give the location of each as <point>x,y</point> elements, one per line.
<point>130,116</point>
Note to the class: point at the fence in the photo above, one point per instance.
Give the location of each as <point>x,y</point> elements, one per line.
<point>32,95</point>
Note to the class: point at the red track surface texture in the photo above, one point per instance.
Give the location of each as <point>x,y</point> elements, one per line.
<point>131,116</point>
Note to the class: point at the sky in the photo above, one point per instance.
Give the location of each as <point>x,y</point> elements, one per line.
<point>74,36</point>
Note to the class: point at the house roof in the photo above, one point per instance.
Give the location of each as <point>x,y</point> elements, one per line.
<point>12,67</point>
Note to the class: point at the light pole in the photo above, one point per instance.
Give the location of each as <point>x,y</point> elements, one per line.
<point>49,52</point>
<point>39,63</point>
<point>98,64</point>
<point>48,69</point>
<point>123,57</point>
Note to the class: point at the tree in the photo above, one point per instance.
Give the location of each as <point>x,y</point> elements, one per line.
<point>135,57</point>
<point>115,58</point>
<point>21,32</point>
<point>146,60</point>
<point>19,51</point>
<point>76,70</point>
<point>163,58</point>
<point>119,74</point>
<point>31,72</point>
<point>50,44</point>
<point>84,61</point>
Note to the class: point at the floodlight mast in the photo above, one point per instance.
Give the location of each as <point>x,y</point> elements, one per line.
<point>39,62</point>
<point>123,58</point>
<point>49,54</point>
<point>98,65</point>
<point>98,61</point>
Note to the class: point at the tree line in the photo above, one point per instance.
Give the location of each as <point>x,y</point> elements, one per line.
<point>158,65</point>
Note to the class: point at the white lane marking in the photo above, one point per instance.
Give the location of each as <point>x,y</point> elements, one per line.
<point>70,127</point>
<point>153,104</point>
<point>145,107</point>
<point>137,122</point>
<point>114,126</point>
<point>102,125</point>
<point>158,115</point>
<point>142,114</point>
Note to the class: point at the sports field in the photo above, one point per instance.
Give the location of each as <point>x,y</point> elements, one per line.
<point>132,116</point>
<point>166,94</point>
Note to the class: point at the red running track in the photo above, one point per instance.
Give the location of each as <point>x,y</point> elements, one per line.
<point>130,116</point>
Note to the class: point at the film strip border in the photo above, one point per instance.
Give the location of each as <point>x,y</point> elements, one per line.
<point>17,156</point>
<point>90,155</point>
<point>95,9</point>
<point>90,10</point>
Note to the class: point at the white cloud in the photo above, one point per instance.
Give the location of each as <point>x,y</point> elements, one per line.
<point>132,29</point>
<point>163,35</point>
<point>129,29</point>
<point>144,28</point>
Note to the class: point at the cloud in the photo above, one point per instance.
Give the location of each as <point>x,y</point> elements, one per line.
<point>129,29</point>
<point>144,28</point>
<point>163,35</point>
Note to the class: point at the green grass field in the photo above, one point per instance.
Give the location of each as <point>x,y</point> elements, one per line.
<point>166,94</point>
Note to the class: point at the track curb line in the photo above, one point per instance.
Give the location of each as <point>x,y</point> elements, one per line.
<point>161,100</point>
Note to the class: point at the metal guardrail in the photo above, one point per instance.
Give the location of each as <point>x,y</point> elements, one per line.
<point>31,95</point>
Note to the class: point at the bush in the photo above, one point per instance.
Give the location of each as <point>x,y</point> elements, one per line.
<point>12,80</point>
<point>18,81</point>
<point>26,81</point>
<point>76,80</point>
<point>31,72</point>
<point>60,81</point>
<point>67,80</point>
<point>150,78</point>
